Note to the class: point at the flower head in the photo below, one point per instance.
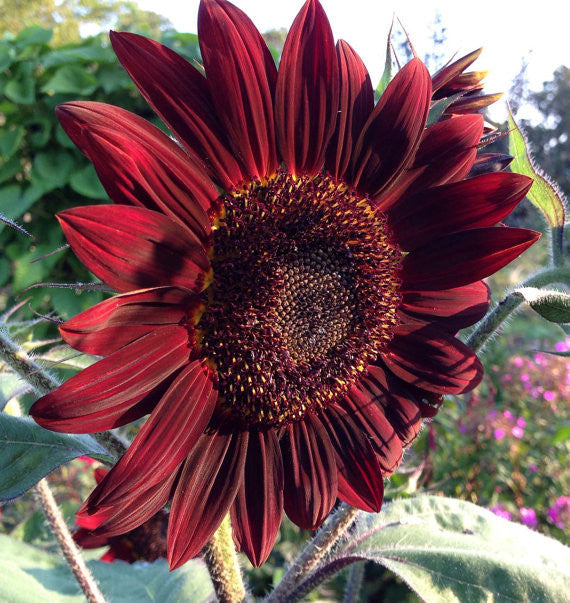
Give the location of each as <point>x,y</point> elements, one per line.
<point>290,277</point>
<point>528,517</point>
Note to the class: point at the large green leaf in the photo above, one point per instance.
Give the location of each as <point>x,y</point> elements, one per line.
<point>554,306</point>
<point>30,575</point>
<point>86,183</point>
<point>10,140</point>
<point>29,452</point>
<point>451,550</point>
<point>21,90</point>
<point>71,79</point>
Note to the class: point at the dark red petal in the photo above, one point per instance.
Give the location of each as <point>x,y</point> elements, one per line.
<point>446,153</point>
<point>356,101</point>
<point>136,175</point>
<point>399,401</point>
<point>432,359</point>
<point>258,507</point>
<point>470,104</point>
<point>119,320</point>
<point>164,440</point>
<point>241,76</point>
<point>393,131</point>
<point>360,481</point>
<point>134,509</point>
<point>310,472</point>
<point>474,203</point>
<point>464,257</point>
<point>112,392</point>
<point>87,540</point>
<point>490,162</point>
<point>100,473</point>
<point>370,417</point>
<point>179,93</point>
<point>454,308</point>
<point>306,96</point>
<point>449,72</point>
<point>208,484</point>
<point>134,248</point>
<point>78,118</point>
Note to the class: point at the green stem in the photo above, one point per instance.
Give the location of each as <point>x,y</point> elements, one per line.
<point>488,326</point>
<point>557,242</point>
<point>354,583</point>
<point>318,547</point>
<point>221,558</point>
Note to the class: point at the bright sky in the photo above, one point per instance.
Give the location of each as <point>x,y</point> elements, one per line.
<point>507,30</point>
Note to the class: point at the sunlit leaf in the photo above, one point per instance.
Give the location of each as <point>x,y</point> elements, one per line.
<point>543,193</point>
<point>452,550</point>
<point>71,79</point>
<point>29,452</point>
<point>562,434</point>
<point>554,306</point>
<point>387,73</point>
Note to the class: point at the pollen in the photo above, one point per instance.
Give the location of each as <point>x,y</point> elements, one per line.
<point>303,297</point>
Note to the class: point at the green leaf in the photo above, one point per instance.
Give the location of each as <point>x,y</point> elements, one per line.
<point>11,204</point>
<point>562,434</point>
<point>76,54</point>
<point>10,140</point>
<point>543,194</point>
<point>34,35</point>
<point>71,79</point>
<point>439,106</point>
<point>39,129</point>
<point>387,73</point>
<point>86,183</point>
<point>21,90</point>
<point>30,575</point>
<point>9,169</point>
<point>66,357</point>
<point>5,56</point>
<point>52,170</point>
<point>554,306</point>
<point>29,452</point>
<point>451,550</point>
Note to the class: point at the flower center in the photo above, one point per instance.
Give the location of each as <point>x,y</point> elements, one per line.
<point>304,296</point>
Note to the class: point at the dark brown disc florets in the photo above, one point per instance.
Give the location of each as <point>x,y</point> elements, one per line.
<point>304,296</point>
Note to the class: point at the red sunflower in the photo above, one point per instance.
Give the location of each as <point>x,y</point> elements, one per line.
<point>146,542</point>
<point>291,274</point>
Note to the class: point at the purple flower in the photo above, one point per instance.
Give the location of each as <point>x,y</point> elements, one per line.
<point>528,517</point>
<point>500,511</point>
<point>559,513</point>
<point>533,468</point>
<point>499,434</point>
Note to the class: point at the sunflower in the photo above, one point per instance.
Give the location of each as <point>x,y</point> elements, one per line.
<point>291,270</point>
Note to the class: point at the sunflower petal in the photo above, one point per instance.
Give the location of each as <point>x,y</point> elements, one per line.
<point>117,389</point>
<point>311,473</point>
<point>393,131</point>
<point>431,359</point>
<point>208,484</point>
<point>133,248</point>
<point>241,75</point>
<point>474,203</point>
<point>464,257</point>
<point>306,96</point>
<point>360,481</point>
<point>179,93</point>
<point>119,320</point>
<point>257,510</point>
<point>356,101</point>
<point>78,118</point>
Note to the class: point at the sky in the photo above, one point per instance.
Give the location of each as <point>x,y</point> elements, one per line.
<point>508,31</point>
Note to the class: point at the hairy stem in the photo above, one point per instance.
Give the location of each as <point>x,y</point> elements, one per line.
<point>43,382</point>
<point>65,540</point>
<point>221,558</point>
<point>485,329</point>
<point>354,583</point>
<point>315,550</point>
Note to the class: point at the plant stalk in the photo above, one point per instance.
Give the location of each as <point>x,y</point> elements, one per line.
<point>316,549</point>
<point>65,540</point>
<point>221,558</point>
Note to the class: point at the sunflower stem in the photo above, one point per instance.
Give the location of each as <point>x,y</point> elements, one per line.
<point>487,327</point>
<point>316,549</point>
<point>65,540</point>
<point>354,583</point>
<point>43,382</point>
<point>221,558</point>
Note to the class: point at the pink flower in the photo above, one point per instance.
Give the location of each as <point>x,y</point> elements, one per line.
<point>559,513</point>
<point>525,377</point>
<point>500,511</point>
<point>517,432</point>
<point>508,414</point>
<point>549,396</point>
<point>528,517</point>
<point>533,468</point>
<point>521,422</point>
<point>518,361</point>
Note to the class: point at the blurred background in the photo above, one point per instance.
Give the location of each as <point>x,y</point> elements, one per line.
<point>505,446</point>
